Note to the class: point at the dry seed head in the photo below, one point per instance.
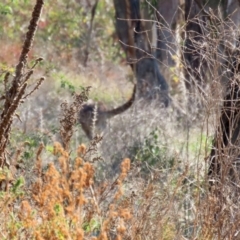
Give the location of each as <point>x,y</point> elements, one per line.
<point>38,165</point>
<point>121,227</point>
<point>78,162</point>
<point>81,200</point>
<point>103,236</point>
<point>125,165</point>
<point>52,175</point>
<point>65,154</point>
<point>79,179</point>
<point>63,164</point>
<point>25,209</point>
<point>82,177</point>
<point>118,194</point>
<point>64,231</point>
<point>74,176</point>
<point>67,194</point>
<point>111,207</point>
<point>88,168</point>
<point>39,59</point>
<point>57,148</point>
<point>125,213</point>
<point>75,218</point>
<point>26,215</point>
<point>38,235</point>
<point>119,182</point>
<point>102,188</point>
<point>80,234</point>
<point>70,208</point>
<point>81,149</point>
<point>37,186</point>
<point>112,212</point>
<point>105,225</point>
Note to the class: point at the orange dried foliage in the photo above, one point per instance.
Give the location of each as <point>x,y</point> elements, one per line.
<point>88,168</point>
<point>103,236</point>
<point>81,149</point>
<point>56,188</point>
<point>78,162</point>
<point>66,195</point>
<point>80,234</point>
<point>125,213</point>
<point>63,161</point>
<point>125,167</point>
<point>26,215</point>
<point>119,237</point>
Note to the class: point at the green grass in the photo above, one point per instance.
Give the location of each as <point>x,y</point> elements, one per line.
<point>100,91</point>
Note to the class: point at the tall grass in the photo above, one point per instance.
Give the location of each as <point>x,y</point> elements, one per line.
<point>146,178</point>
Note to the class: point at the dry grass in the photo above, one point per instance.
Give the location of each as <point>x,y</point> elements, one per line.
<point>160,191</point>
<point>77,194</point>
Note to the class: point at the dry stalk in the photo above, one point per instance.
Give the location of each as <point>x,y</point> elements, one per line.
<point>14,96</point>
<point>69,117</point>
<point>89,34</point>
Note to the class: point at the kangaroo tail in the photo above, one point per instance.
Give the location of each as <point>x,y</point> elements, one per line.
<point>123,108</point>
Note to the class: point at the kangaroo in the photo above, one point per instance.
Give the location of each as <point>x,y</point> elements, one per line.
<point>96,115</point>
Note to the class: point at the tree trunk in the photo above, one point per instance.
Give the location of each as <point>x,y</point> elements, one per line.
<point>202,18</point>
<point>150,83</point>
<point>225,151</point>
<point>194,64</point>
<point>167,16</point>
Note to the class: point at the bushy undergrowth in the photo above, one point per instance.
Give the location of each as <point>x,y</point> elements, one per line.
<point>66,199</point>
<point>56,193</point>
<point>52,190</point>
<point>155,136</point>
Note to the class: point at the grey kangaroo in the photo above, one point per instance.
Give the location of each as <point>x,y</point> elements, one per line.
<point>95,115</point>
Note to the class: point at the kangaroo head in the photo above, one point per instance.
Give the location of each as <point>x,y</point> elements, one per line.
<point>95,115</point>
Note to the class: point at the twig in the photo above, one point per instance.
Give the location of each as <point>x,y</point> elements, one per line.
<point>39,82</point>
<point>86,52</point>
